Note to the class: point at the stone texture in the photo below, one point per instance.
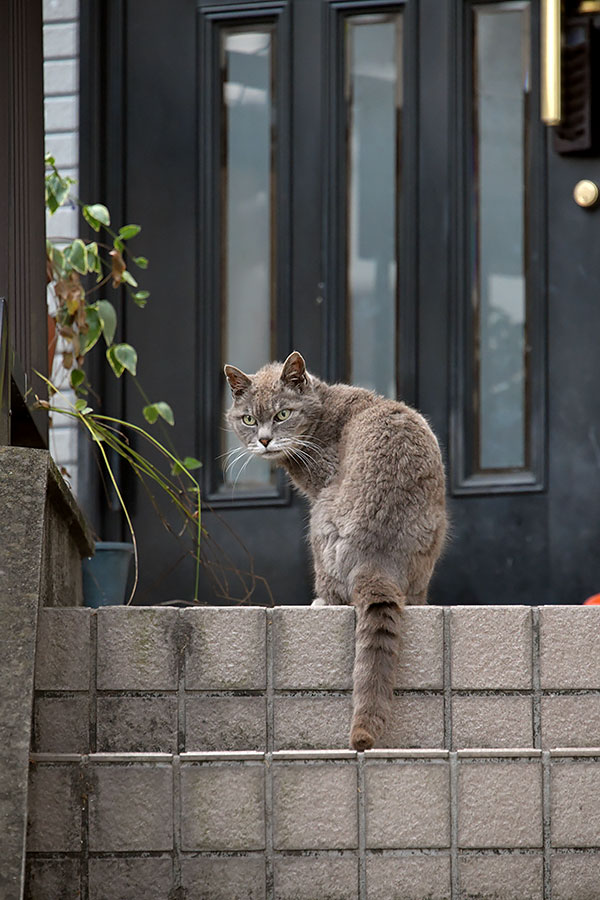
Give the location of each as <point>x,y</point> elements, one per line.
<point>311,878</point>
<point>222,807</point>
<point>575,803</point>
<point>52,879</point>
<point>575,876</point>
<point>492,721</point>
<point>314,806</point>
<point>63,650</point>
<point>313,648</point>
<point>417,721</point>
<point>490,647</point>
<point>313,722</point>
<point>512,876</point>
<point>60,40</point>
<point>60,76</point>
<point>65,150</point>
<point>130,807</point>
<point>137,649</point>
<point>499,803</point>
<point>136,724</point>
<point>225,878</point>
<point>60,9</point>
<point>569,640</point>
<point>130,879</point>
<point>408,877</point>
<point>61,724</point>
<point>571,720</point>
<point>226,649</point>
<point>407,804</point>
<point>55,809</point>
<point>421,648</point>
<point>61,113</point>
<point>225,723</point>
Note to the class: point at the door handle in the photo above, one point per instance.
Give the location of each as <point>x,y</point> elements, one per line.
<point>550,61</point>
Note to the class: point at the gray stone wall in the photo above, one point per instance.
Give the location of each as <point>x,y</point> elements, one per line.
<point>200,753</point>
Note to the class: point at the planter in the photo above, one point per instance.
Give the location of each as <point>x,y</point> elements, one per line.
<point>105,575</point>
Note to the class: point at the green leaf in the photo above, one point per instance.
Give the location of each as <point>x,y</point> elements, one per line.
<point>108,320</point>
<point>188,464</point>
<point>58,259</point>
<point>118,245</point>
<point>82,407</point>
<point>77,378</point>
<point>129,279</point>
<point>96,215</point>
<point>126,355</point>
<point>140,298</point>
<point>141,261</point>
<point>117,367</point>
<point>90,337</point>
<point>162,409</point>
<point>93,259</point>
<point>129,231</point>
<point>77,256</point>
<point>57,190</point>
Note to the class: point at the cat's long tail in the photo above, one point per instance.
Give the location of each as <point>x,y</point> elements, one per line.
<point>378,603</point>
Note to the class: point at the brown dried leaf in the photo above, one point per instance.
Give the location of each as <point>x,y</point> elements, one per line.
<point>118,267</point>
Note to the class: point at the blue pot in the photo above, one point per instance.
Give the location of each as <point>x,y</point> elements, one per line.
<point>105,575</point>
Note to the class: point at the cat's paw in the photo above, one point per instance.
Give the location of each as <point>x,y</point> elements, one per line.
<point>318,601</point>
<point>361,739</point>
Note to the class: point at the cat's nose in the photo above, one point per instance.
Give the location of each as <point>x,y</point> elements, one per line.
<point>265,441</point>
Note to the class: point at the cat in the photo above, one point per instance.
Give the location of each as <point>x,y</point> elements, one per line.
<point>372,471</point>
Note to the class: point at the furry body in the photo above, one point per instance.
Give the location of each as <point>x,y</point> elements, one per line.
<point>372,471</point>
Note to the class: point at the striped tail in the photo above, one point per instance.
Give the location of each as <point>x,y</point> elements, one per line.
<point>378,603</point>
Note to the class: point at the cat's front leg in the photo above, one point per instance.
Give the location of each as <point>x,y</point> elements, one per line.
<point>319,602</point>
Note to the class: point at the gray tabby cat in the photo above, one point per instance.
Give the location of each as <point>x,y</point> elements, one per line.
<point>372,471</point>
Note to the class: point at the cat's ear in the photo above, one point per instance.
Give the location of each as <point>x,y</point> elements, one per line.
<point>238,381</point>
<point>294,371</point>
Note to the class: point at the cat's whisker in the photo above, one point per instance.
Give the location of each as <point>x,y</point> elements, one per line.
<point>239,473</point>
<point>232,462</point>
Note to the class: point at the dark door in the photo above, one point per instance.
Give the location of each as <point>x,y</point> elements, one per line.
<point>369,183</point>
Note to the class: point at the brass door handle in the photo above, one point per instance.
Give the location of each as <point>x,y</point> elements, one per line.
<point>550,61</point>
<point>585,193</point>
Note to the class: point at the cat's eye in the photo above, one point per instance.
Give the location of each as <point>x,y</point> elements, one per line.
<point>283,414</point>
<point>248,420</point>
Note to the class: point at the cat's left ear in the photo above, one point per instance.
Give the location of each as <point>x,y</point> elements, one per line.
<point>238,380</point>
<point>293,373</point>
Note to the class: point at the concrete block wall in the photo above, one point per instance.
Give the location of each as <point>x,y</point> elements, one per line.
<point>200,753</point>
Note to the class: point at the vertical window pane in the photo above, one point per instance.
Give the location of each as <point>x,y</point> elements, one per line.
<point>501,85</point>
<point>247,211</point>
<point>374,99</point>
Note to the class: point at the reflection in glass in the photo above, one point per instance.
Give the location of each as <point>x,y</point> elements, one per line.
<point>247,210</point>
<point>374,105</point>
<point>501,86</point>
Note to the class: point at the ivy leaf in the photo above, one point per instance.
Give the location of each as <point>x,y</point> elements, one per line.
<point>77,256</point>
<point>128,278</point>
<point>77,378</point>
<point>140,298</point>
<point>129,231</point>
<point>94,330</point>
<point>125,356</point>
<point>141,261</point>
<point>108,320</point>
<point>81,407</point>
<point>96,215</point>
<point>188,464</point>
<point>93,259</point>
<point>162,409</point>
<point>117,367</point>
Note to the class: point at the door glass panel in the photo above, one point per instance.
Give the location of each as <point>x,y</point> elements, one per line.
<point>373,50</point>
<point>248,224</point>
<point>501,60</point>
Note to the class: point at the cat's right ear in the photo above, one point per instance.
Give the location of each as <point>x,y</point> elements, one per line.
<point>293,372</point>
<point>238,380</point>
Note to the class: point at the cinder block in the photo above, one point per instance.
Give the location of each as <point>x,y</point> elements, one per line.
<point>575,803</point>
<point>137,649</point>
<point>226,648</point>
<point>60,40</point>
<point>569,640</point>
<point>63,224</point>
<point>490,647</point>
<point>492,721</point>
<point>136,724</point>
<point>315,722</point>
<point>62,660</point>
<point>131,807</point>
<point>408,877</point>
<point>61,77</point>
<point>61,724</point>
<point>61,114</point>
<point>60,9</point>
<point>417,721</point>
<point>225,723</point>
<point>309,878</point>
<point>571,720</point>
<point>65,150</point>
<point>499,803</point>
<point>408,804</point>
<point>314,806</point>
<point>50,879</point>
<point>511,876</point>
<point>575,876</point>
<point>222,807</point>
<point>313,647</point>
<point>130,879</point>
<point>54,809</point>
<point>225,878</point>
<point>421,648</point>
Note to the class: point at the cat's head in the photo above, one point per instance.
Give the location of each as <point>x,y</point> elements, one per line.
<point>274,411</point>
